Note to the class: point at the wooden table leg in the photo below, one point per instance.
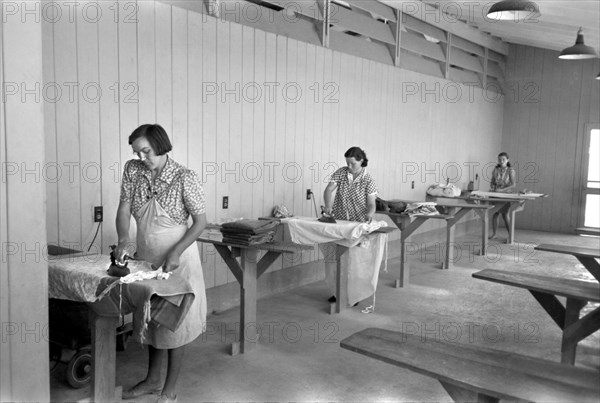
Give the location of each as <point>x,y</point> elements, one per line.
<point>568,347</point>
<point>404,267</point>
<point>511,232</point>
<point>449,258</point>
<point>458,213</point>
<point>248,327</point>
<point>406,227</point>
<point>591,265</point>
<point>485,225</point>
<point>104,357</point>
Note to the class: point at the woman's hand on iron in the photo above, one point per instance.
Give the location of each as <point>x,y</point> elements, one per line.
<point>123,248</point>
<point>171,262</point>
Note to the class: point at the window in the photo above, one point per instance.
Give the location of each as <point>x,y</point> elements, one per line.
<point>591,190</point>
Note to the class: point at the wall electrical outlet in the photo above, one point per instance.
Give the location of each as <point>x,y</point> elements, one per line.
<point>308,193</point>
<point>98,214</point>
<point>225,202</point>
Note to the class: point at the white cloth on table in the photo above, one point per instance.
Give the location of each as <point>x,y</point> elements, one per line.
<point>310,231</point>
<point>479,193</point>
<point>362,260</point>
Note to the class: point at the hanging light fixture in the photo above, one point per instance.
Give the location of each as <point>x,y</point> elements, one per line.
<point>514,10</point>
<point>598,76</point>
<point>579,50</point>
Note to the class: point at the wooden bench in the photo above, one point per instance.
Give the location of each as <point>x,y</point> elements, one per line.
<point>473,373</point>
<point>545,290</point>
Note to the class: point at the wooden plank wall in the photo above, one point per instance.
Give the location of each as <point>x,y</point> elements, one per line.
<point>24,370</point>
<point>259,116</point>
<point>548,103</point>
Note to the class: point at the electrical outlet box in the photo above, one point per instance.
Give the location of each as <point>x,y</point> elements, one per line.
<point>98,214</point>
<point>308,193</point>
<point>225,202</point>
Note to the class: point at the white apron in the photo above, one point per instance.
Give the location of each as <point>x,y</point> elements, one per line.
<point>157,232</point>
<point>362,263</point>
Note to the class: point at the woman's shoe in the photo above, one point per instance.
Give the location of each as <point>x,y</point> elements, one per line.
<point>141,389</point>
<point>166,399</point>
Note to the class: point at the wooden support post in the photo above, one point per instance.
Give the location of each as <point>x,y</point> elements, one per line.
<point>398,47</point>
<point>448,54</point>
<point>324,28</point>
<point>485,68</point>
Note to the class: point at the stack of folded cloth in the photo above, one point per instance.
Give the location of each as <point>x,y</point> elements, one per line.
<point>248,232</point>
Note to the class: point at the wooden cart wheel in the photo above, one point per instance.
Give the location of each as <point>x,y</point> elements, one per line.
<point>79,369</point>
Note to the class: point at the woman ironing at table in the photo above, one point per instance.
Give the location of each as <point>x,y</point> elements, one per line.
<point>356,190</point>
<point>161,195</point>
<point>355,195</point>
<point>503,181</point>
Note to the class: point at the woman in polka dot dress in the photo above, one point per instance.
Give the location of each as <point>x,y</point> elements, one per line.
<point>356,190</point>
<point>161,195</point>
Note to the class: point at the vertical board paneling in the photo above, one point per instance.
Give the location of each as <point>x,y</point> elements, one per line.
<point>180,85</point>
<point>270,130</point>
<point>231,94</point>
<point>164,70</point>
<point>146,49</point>
<point>128,86</point>
<point>259,207</point>
<point>67,142</point>
<point>247,129</point>
<point>89,130</point>
<point>544,124</point>
<point>110,141</point>
<point>52,227</point>
<point>222,133</point>
<point>207,51</point>
<point>270,120</point>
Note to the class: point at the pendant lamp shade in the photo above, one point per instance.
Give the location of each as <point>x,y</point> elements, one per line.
<point>578,51</point>
<point>598,76</point>
<point>514,10</point>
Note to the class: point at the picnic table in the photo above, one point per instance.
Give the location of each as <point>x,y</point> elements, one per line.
<point>545,290</point>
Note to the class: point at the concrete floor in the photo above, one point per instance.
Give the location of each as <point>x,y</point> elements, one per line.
<point>299,358</point>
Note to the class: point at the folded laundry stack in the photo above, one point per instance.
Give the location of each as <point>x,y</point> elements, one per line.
<point>249,232</point>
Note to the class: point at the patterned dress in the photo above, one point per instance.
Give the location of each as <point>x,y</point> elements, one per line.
<point>161,209</point>
<point>502,178</point>
<point>351,197</point>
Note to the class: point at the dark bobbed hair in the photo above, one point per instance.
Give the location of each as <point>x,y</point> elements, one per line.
<point>358,154</point>
<point>156,136</point>
<point>504,154</point>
